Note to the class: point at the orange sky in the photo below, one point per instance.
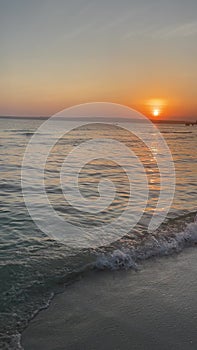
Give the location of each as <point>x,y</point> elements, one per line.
<point>57,54</point>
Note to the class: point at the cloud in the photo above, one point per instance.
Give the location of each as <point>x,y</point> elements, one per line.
<point>166,32</point>
<point>180,31</point>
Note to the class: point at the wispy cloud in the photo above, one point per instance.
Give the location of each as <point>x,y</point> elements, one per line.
<point>183,30</point>
<point>117,22</point>
<point>167,32</point>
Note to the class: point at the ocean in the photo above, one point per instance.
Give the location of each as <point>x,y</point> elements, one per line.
<point>34,266</point>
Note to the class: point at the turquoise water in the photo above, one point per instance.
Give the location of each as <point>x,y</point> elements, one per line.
<point>33,266</point>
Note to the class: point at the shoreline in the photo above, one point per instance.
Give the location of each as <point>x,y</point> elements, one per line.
<point>154,308</point>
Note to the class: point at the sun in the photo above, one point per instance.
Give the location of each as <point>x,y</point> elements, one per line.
<point>156,112</point>
<point>156,106</point>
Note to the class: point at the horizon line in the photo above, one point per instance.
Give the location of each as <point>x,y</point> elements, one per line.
<point>151,119</point>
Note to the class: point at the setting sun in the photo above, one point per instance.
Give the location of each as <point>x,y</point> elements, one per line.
<point>156,112</point>
<point>156,106</point>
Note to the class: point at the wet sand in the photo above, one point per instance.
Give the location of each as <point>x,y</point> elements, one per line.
<point>154,308</point>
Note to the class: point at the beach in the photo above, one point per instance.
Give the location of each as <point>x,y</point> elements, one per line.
<point>152,308</point>
<point>98,170</point>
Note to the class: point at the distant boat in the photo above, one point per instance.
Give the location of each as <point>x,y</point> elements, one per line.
<point>191,123</point>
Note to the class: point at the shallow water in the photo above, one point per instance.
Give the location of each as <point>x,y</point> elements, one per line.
<point>34,266</point>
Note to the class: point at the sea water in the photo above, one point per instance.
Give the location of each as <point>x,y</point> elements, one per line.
<point>34,266</point>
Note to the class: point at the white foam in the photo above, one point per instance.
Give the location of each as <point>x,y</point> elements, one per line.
<point>16,342</point>
<point>116,260</point>
<point>153,246</point>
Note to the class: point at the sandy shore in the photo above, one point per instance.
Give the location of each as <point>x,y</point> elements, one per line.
<point>155,308</point>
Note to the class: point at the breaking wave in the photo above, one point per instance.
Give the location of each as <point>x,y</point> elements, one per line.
<point>152,247</point>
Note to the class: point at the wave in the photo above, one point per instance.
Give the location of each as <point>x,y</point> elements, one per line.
<point>27,133</point>
<point>176,132</point>
<point>152,247</point>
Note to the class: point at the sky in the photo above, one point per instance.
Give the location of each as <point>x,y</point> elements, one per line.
<point>56,54</point>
